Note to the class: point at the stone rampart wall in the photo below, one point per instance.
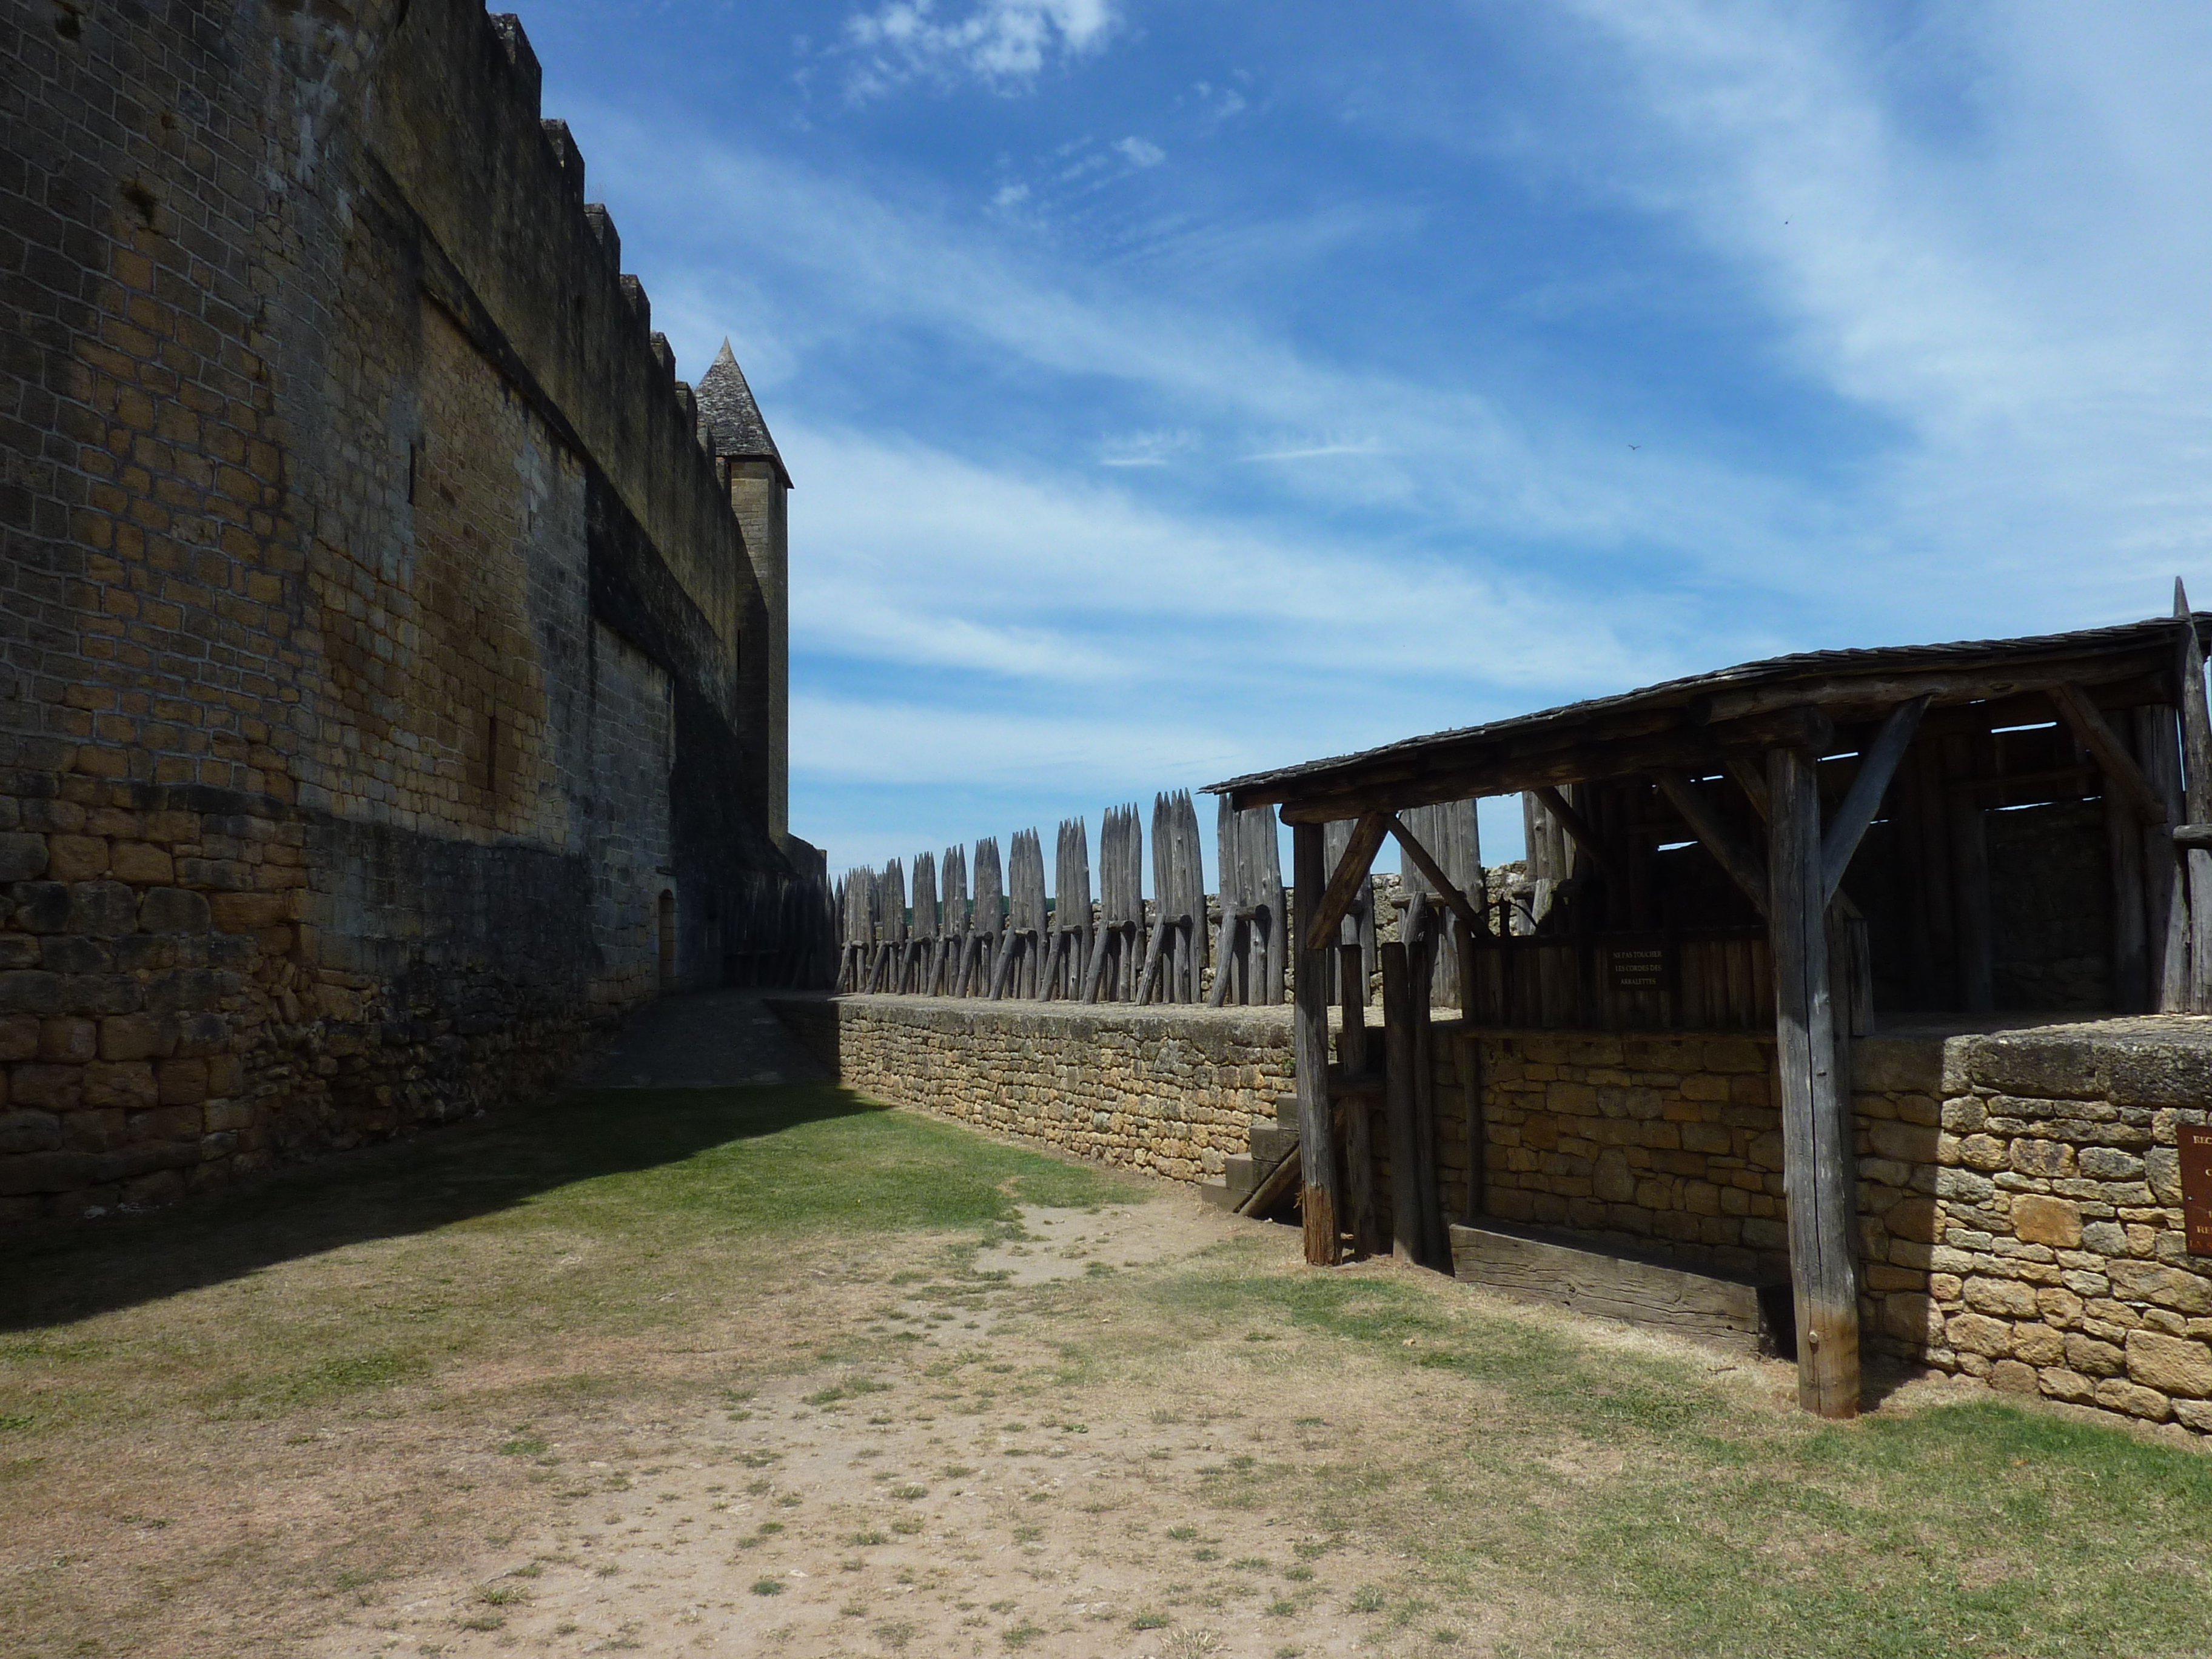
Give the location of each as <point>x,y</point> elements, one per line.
<point>370,606</point>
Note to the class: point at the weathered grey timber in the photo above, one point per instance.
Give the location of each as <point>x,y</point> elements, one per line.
<point>922,932</point>
<point>1398,1109</point>
<point>1021,946</point>
<point>1321,1193</point>
<point>1071,931</point>
<point>986,922</point>
<point>953,946</point>
<point>1355,906</point>
<point>1528,1266</point>
<point>1816,1128</point>
<point>1174,959</point>
<point>1120,908</point>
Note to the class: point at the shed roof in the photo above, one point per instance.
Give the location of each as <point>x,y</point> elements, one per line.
<point>1751,703</point>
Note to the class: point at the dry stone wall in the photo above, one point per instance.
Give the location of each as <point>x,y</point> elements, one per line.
<point>2058,1264</point>
<point>1174,1090</point>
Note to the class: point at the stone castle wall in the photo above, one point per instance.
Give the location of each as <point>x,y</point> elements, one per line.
<point>2018,1200</point>
<point>372,616</point>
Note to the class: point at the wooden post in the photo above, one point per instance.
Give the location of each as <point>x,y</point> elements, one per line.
<point>1970,880</point>
<point>1351,998</point>
<point>1398,1102</point>
<point>1436,1248</point>
<point>1477,1120</point>
<point>2166,907</point>
<point>2123,839</point>
<point>1816,1125</point>
<point>2196,758</point>
<point>1359,1136</point>
<point>1321,1194</point>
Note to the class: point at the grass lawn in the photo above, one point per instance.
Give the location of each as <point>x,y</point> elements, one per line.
<point>775,1370</point>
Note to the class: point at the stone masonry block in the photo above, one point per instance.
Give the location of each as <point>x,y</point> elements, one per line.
<point>2053,1221</point>
<point>2000,1295</point>
<point>2171,1365</point>
<point>76,858</point>
<point>2168,1287</point>
<point>22,857</point>
<point>2132,1398</point>
<point>125,1085</point>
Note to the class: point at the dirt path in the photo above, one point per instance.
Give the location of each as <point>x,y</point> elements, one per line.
<point>942,1505</point>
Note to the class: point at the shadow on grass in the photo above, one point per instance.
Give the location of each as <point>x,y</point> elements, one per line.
<point>411,1185</point>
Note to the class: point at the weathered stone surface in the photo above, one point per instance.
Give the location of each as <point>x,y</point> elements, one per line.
<point>1977,1334</point>
<point>2172,1365</point>
<point>2000,1296</point>
<point>2053,1221</point>
<point>2132,1398</point>
<point>369,575</point>
<point>22,857</point>
<point>2169,1287</point>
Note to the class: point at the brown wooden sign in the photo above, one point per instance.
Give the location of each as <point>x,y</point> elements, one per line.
<point>2196,1185</point>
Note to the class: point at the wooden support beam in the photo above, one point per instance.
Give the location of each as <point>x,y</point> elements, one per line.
<point>2096,735</point>
<point>1420,963</point>
<point>1877,766</point>
<point>1454,901</point>
<point>2124,840</point>
<point>1743,865</point>
<point>1816,1125</point>
<point>1398,1102</point>
<point>2196,720</point>
<point>1502,770</point>
<point>1344,886</point>
<point>2196,773</point>
<point>1579,827</point>
<point>1475,1120</point>
<point>1352,1056</point>
<point>1751,779</point>
<point>1321,1197</point>
<point>1943,685</point>
<point>2166,905</point>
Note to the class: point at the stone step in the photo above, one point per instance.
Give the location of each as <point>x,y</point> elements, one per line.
<point>1220,1194</point>
<point>1271,1143</point>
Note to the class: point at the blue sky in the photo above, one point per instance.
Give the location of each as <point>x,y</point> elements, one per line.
<point>1176,389</point>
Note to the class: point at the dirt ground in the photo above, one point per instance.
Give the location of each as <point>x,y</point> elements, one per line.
<point>963,1498</point>
<point>939,1507</point>
<point>610,1407</point>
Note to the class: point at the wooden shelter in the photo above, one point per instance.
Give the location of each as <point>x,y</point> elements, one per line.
<point>1805,842</point>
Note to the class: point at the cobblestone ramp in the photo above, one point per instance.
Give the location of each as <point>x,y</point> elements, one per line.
<point>707,1040</point>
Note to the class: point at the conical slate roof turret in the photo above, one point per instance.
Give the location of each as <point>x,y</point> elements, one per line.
<point>726,404</point>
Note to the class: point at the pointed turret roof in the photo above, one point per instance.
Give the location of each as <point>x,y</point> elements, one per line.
<point>726,404</point>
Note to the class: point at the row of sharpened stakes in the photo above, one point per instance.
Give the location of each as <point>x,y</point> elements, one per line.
<point>1010,940</point>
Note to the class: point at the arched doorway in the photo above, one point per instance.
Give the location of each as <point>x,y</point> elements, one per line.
<point>667,941</point>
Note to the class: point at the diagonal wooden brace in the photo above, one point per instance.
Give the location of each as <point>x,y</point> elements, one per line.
<point>1454,901</point>
<point>1344,886</point>
<point>1876,768</point>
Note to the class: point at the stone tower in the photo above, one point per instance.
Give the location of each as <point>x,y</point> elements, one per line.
<point>759,486</point>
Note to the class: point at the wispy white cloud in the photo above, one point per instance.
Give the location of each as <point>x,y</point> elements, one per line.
<point>1155,448</point>
<point>1141,152</point>
<point>1316,451</point>
<point>2002,251</point>
<point>1000,43</point>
